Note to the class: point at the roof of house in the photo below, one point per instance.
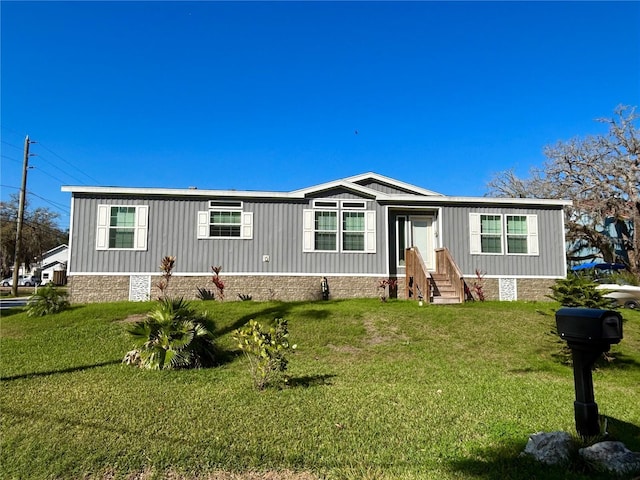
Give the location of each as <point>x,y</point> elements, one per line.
<point>413,193</point>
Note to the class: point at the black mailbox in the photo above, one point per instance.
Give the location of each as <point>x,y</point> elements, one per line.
<point>589,325</point>
<point>589,333</point>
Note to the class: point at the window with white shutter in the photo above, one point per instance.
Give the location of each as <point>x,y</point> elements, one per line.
<point>222,221</point>
<point>122,227</point>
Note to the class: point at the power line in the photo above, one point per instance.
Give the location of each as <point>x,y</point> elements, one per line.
<point>69,163</point>
<point>11,145</point>
<point>58,205</point>
<point>49,175</point>
<point>60,169</point>
<point>38,226</point>
<point>51,202</point>
<point>10,158</point>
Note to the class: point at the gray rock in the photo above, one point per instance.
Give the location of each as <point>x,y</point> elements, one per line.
<point>554,448</point>
<point>614,457</point>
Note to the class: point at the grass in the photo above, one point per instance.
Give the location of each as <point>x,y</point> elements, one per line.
<point>378,391</point>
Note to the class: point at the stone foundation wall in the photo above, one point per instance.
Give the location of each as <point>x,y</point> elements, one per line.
<point>91,289</point>
<point>535,288</point>
<point>526,288</point>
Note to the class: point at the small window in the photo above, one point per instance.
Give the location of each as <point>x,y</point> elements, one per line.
<point>401,226</point>
<point>325,204</point>
<point>354,205</point>
<point>213,204</point>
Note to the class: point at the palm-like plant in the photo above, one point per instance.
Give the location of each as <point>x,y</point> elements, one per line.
<point>173,336</point>
<point>48,300</point>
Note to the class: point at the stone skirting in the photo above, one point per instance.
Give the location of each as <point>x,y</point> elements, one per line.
<point>103,288</point>
<point>506,288</point>
<point>106,288</point>
<point>525,288</point>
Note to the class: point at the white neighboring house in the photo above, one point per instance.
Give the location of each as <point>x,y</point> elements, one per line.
<point>55,260</point>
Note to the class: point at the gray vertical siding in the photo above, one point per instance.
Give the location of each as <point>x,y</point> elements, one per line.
<point>277,232</point>
<point>549,262</point>
<point>454,235</point>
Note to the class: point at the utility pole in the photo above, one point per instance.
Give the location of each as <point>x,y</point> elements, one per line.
<point>23,192</point>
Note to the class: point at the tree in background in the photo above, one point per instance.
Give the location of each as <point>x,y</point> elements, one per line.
<point>40,233</point>
<point>601,175</point>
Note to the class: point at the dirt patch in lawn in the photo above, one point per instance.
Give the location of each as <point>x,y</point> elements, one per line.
<point>134,318</point>
<point>375,336</point>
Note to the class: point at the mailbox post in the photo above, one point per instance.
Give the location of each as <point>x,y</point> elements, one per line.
<point>589,332</point>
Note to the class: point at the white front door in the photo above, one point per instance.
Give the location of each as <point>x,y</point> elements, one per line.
<point>422,237</point>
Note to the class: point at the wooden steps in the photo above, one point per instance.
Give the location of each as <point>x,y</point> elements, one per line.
<point>443,290</point>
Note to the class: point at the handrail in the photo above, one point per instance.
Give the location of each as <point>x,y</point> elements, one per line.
<point>447,266</point>
<point>417,284</point>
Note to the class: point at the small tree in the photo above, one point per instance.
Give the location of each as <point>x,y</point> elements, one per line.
<point>579,291</point>
<point>265,350</point>
<point>601,175</point>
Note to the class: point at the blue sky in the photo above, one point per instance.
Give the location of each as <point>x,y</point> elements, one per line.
<point>269,96</point>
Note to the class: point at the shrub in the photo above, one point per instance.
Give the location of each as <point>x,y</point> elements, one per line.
<point>205,294</point>
<point>217,281</point>
<point>265,350</point>
<point>166,266</point>
<point>172,336</point>
<point>48,300</point>
<point>477,286</point>
<point>245,297</point>
<point>579,291</point>
<point>387,288</point>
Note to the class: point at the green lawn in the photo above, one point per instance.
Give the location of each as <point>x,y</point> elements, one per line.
<point>378,391</point>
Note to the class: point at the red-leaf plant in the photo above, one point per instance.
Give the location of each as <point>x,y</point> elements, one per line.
<point>217,281</point>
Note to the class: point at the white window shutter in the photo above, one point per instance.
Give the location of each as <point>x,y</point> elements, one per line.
<point>247,225</point>
<point>307,231</point>
<point>102,232</point>
<point>142,218</point>
<point>474,233</point>
<point>370,232</point>
<point>203,224</point>
<point>532,235</point>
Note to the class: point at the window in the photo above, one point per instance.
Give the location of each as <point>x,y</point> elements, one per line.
<point>225,224</point>
<point>517,234</point>
<point>491,233</point>
<point>495,233</point>
<point>401,227</point>
<point>353,231</point>
<point>326,231</point>
<point>339,229</point>
<point>122,227</point>
<point>225,220</point>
